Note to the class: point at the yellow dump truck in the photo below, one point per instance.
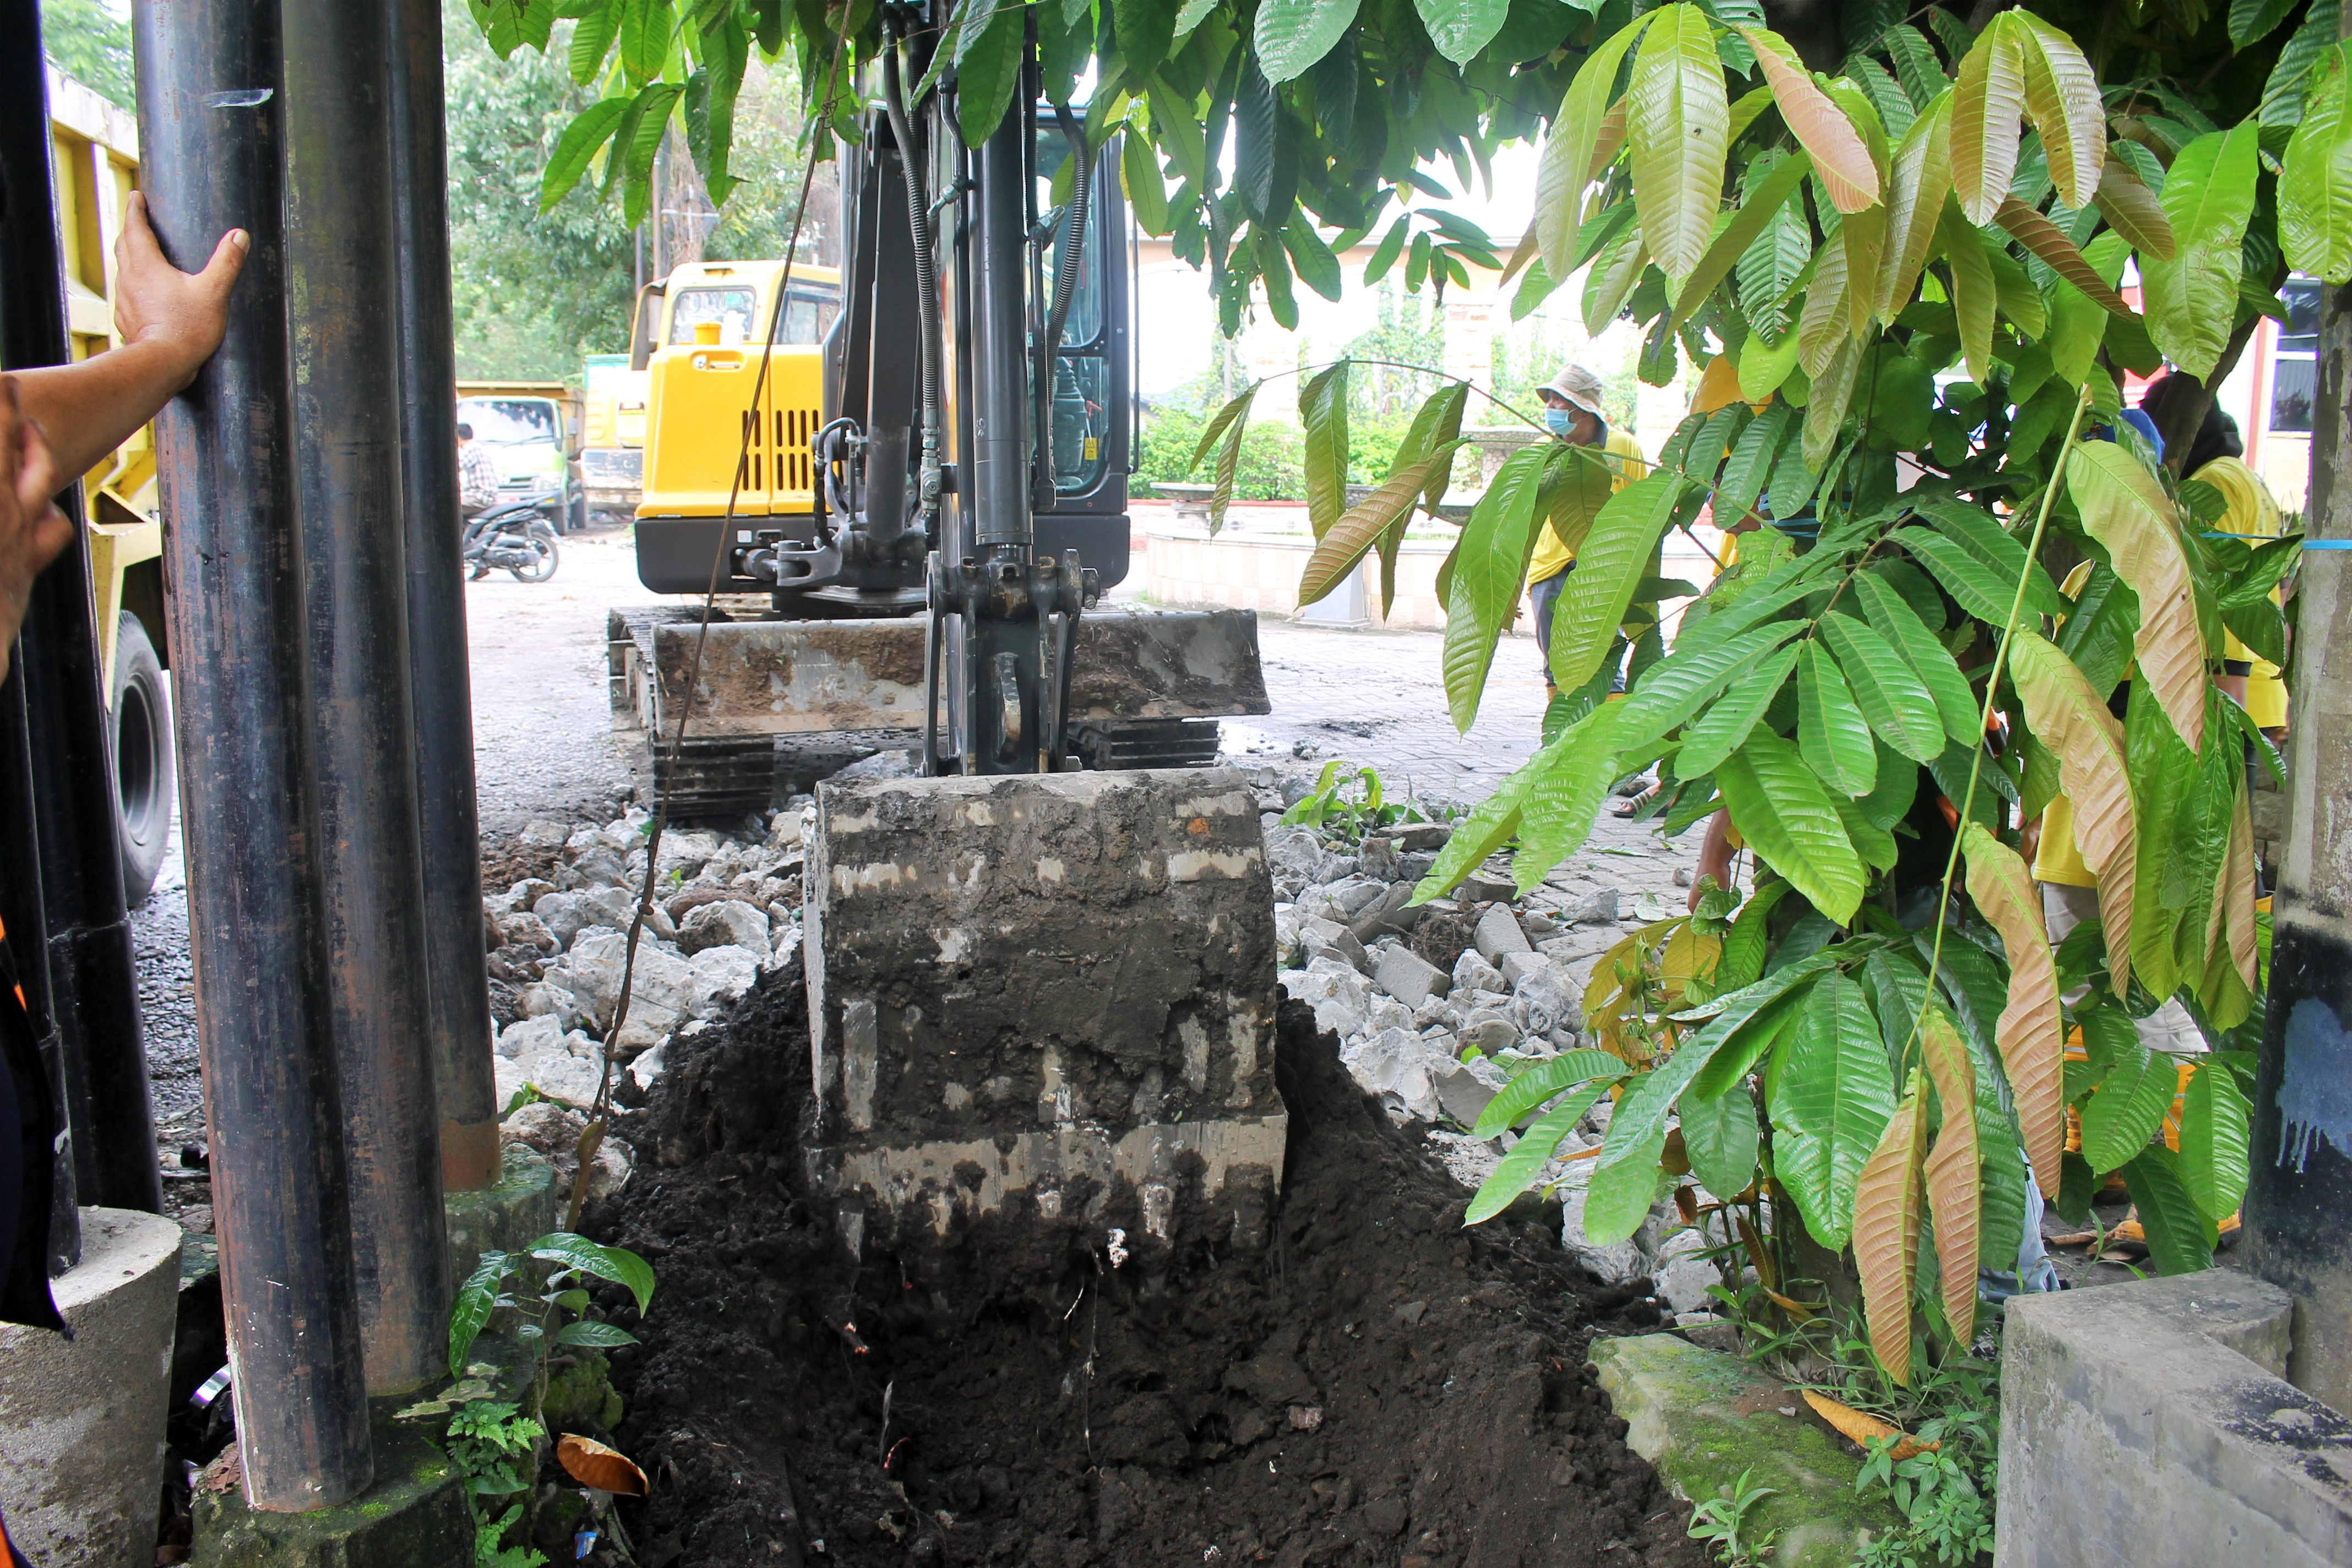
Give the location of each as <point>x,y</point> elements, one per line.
<point>612,438</point>
<point>700,338</point>
<point>94,149</point>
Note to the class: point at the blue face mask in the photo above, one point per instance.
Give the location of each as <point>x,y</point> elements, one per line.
<point>1560,421</point>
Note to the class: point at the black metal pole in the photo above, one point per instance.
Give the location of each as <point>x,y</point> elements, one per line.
<point>457,987</point>
<point>20,918</point>
<point>91,969</point>
<point>1000,414</point>
<point>211,136</point>
<point>344,333</point>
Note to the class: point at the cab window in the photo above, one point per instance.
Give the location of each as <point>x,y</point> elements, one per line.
<point>504,421</point>
<point>729,306</point>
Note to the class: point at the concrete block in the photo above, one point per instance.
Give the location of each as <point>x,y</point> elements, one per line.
<point>1461,1093</point>
<point>1518,967</point>
<point>2143,1425</point>
<point>523,1206</point>
<point>414,1516</point>
<point>1499,933</point>
<point>1051,994</point>
<point>1320,935</point>
<point>82,1421</point>
<point>1703,1417</point>
<point>1410,978</point>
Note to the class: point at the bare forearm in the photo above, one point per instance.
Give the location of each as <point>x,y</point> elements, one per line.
<point>91,407</point>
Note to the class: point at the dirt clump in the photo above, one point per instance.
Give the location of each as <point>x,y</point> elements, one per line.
<point>1377,1386</point>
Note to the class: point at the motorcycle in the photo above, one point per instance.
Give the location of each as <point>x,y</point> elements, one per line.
<point>514,534</point>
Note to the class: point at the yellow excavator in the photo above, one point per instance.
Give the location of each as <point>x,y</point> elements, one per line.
<point>1040,969</point>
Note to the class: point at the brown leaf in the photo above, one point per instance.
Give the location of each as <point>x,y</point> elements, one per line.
<point>592,1463</point>
<point>1607,142</point>
<point>2072,721</point>
<point>2236,893</point>
<point>1857,1426</point>
<point>1359,528</point>
<point>2031,1031</point>
<point>2048,241</point>
<point>1952,1189</point>
<point>2127,510</point>
<point>1887,1232</point>
<point>1840,157</point>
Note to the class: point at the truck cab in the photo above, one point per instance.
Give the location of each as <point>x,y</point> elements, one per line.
<point>612,438</point>
<point>532,428</point>
<point>700,338</point>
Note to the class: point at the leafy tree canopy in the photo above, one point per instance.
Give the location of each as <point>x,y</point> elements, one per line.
<point>91,44</point>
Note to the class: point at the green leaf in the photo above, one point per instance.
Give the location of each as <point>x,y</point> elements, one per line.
<point>1490,568</point>
<point>1179,134</point>
<point>1564,169</point>
<point>2283,92</point>
<point>990,55</point>
<point>618,1264</point>
<point>1669,693</point>
<point>1723,728</point>
<point>1980,591</point>
<point>577,147</point>
<point>1833,1094</point>
<point>1323,415</point>
<point>1292,35</point>
<point>1974,292</point>
<point>1781,808</point>
<point>1750,463</point>
<point>1317,267</point>
<point>1145,29</point>
<point>1461,28</point>
<point>2062,95</point>
<point>1564,785</point>
<point>645,27</point>
<point>1740,232</point>
<point>1370,523</point>
<point>1892,696</point>
<point>2130,1105</point>
<point>1830,730</point>
<point>1893,618</point>
<point>1987,112</point>
<point>1610,563</point>
<point>1996,548</point>
<point>1721,1138</point>
<point>2180,1240</point>
<point>2251,20</point>
<point>1147,192</point>
<point>1612,279</point>
<point>1677,121</point>
<point>477,1299</point>
<point>1540,1082</point>
<point>594,1335</point>
<point>1523,1166</point>
<point>2315,188</point>
<point>2214,1157</point>
<point>1744,944</point>
<point>592,39</point>
<point>2208,197</point>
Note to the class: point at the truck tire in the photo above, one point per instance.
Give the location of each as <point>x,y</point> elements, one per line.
<point>143,758</point>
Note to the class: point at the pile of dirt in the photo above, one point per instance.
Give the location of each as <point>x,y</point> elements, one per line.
<point>1378,1386</point>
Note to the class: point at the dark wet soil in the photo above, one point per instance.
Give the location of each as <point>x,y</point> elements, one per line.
<point>1378,1386</point>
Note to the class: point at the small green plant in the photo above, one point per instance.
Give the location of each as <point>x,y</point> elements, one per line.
<point>1723,1519</point>
<point>494,1443</point>
<point>1349,802</point>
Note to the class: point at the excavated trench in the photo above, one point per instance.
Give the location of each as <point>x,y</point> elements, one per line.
<point>1378,1386</point>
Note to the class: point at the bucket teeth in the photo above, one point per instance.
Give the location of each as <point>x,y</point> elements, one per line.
<point>1044,1000</point>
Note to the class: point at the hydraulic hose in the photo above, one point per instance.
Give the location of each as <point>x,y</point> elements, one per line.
<point>1074,230</point>
<point>927,294</point>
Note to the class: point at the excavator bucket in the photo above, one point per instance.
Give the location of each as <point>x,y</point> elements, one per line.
<point>1042,1011</point>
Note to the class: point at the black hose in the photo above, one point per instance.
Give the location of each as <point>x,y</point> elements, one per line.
<point>927,294</point>
<point>1074,230</point>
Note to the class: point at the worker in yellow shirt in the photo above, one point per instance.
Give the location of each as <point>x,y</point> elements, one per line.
<point>1572,413</point>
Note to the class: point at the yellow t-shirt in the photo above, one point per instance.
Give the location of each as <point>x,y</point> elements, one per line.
<point>2252,512</point>
<point>1552,556</point>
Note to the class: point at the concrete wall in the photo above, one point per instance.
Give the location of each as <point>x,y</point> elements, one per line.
<point>2145,1426</point>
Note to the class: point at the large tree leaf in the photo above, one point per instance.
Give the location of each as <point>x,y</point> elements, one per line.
<point>1744,228</point>
<point>1720,1137</point>
<point>1564,785</point>
<point>1844,162</point>
<point>1832,1092</point>
<point>2315,188</point>
<point>1830,730</point>
<point>2031,1030</point>
<point>2124,1113</point>
<point>2125,509</point>
<point>1893,618</point>
<point>2215,1159</point>
<point>591,40</point>
<point>1952,1184</point>
<point>2236,893</point>
<point>1781,809</point>
<point>2180,1240</point>
<point>1669,693</point>
<point>991,54</point>
<point>2071,719</point>
<point>1996,548</point>
<point>1974,292</point>
<point>1822,326</point>
<point>578,146</point>
<point>1988,112</point>
<point>2208,196</point>
<point>1490,568</point>
<point>1461,28</point>
<point>1723,728</point>
<point>645,28</point>
<point>1524,1165</point>
<point>1679,124</point>
<point>1362,526</point>
<point>1893,698</point>
<point>1540,1083</point>
<point>1962,573</point>
<point>1886,1209</point>
<point>2252,20</point>
<point>1562,170</point>
<point>1323,415</point>
<point>1611,281</point>
<point>1750,463</point>
<point>1921,180</point>
<point>2128,203</point>
<point>2062,95</point>
<point>1292,35</point>
<point>2049,242</point>
<point>1609,565</point>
